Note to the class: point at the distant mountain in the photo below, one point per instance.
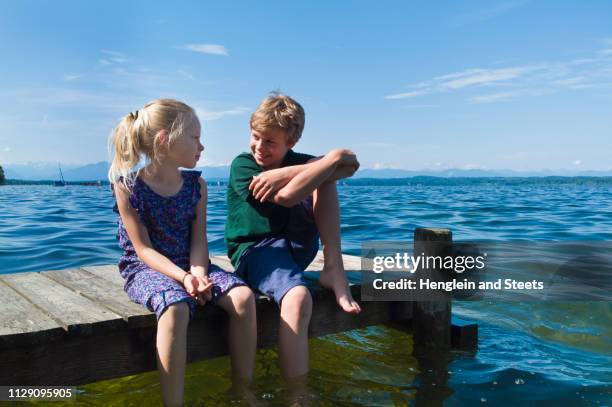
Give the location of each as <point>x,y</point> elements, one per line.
<point>89,172</point>
<point>99,170</point>
<point>34,171</point>
<point>474,173</point>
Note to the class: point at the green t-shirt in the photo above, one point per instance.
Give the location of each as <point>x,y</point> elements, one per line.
<point>248,220</point>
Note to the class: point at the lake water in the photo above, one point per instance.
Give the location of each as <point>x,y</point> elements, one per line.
<point>532,353</point>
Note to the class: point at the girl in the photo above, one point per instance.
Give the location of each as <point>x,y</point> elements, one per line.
<point>162,229</point>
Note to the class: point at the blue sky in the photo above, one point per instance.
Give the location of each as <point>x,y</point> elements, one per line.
<point>521,85</point>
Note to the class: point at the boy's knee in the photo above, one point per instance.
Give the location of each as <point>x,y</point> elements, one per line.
<point>297,303</point>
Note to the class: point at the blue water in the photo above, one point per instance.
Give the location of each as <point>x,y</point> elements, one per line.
<point>537,353</point>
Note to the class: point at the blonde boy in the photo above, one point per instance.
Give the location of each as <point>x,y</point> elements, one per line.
<point>279,203</point>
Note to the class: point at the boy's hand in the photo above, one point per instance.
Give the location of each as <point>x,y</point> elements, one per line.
<point>344,157</point>
<point>345,171</point>
<point>264,185</point>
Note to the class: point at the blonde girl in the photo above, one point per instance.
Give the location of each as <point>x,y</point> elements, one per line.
<point>162,230</point>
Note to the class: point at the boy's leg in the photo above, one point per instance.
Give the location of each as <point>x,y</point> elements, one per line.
<point>327,218</point>
<point>239,303</point>
<point>171,352</point>
<point>296,309</point>
<point>271,269</point>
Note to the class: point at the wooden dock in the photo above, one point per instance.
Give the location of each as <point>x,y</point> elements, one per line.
<point>77,326</point>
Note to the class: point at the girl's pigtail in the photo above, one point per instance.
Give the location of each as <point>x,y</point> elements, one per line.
<point>125,142</point>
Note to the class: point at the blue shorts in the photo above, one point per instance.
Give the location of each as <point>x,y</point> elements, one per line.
<point>276,264</point>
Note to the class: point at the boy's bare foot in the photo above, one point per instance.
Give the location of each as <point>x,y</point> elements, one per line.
<point>334,278</point>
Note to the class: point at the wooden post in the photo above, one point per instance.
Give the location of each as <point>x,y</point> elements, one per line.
<point>432,319</point>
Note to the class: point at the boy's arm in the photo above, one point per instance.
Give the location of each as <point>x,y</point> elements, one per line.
<point>315,174</point>
<point>140,238</point>
<point>267,183</point>
<point>288,185</point>
<point>198,253</point>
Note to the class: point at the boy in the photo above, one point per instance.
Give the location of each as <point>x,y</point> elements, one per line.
<point>278,203</point>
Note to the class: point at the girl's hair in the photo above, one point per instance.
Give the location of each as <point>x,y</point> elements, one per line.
<point>137,135</point>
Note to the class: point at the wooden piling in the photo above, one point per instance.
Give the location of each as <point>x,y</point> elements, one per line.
<point>432,318</point>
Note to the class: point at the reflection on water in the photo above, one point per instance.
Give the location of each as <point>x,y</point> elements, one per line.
<point>542,353</point>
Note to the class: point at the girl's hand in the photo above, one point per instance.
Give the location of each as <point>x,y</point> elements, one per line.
<point>190,282</point>
<point>198,287</point>
<point>204,290</point>
<point>266,184</point>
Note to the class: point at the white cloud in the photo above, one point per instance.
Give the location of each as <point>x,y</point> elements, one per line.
<point>494,97</point>
<point>479,77</point>
<point>213,49</point>
<point>185,74</point>
<point>577,162</point>
<point>406,95</point>
<point>113,58</point>
<point>6,149</point>
<point>216,115</point>
<point>382,166</point>
<point>570,81</point>
<point>70,77</point>
<point>520,80</point>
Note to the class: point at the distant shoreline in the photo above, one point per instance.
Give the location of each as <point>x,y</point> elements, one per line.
<point>412,181</point>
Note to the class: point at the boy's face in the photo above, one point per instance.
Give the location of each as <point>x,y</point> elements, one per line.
<point>269,147</point>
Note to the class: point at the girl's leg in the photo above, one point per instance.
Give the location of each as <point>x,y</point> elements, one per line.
<point>239,303</point>
<point>171,352</point>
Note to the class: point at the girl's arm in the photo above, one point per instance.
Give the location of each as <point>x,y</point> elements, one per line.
<point>198,254</point>
<point>140,238</point>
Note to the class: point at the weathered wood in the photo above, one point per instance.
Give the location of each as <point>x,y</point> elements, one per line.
<point>109,272</point>
<point>21,321</point>
<point>72,311</point>
<point>97,290</point>
<point>223,262</point>
<point>431,324</point>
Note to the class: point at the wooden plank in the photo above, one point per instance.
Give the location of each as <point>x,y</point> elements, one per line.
<point>97,290</point>
<point>317,263</point>
<point>21,323</point>
<point>351,263</point>
<point>223,262</point>
<point>109,272</point>
<point>72,311</point>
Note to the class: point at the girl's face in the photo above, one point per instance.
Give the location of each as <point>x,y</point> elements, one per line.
<point>185,150</point>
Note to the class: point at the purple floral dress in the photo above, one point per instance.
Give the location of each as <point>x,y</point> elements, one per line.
<point>168,223</point>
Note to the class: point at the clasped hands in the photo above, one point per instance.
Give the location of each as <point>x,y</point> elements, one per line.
<point>199,287</point>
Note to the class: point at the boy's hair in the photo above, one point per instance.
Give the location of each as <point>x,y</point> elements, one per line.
<point>279,111</point>
<point>137,135</point>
